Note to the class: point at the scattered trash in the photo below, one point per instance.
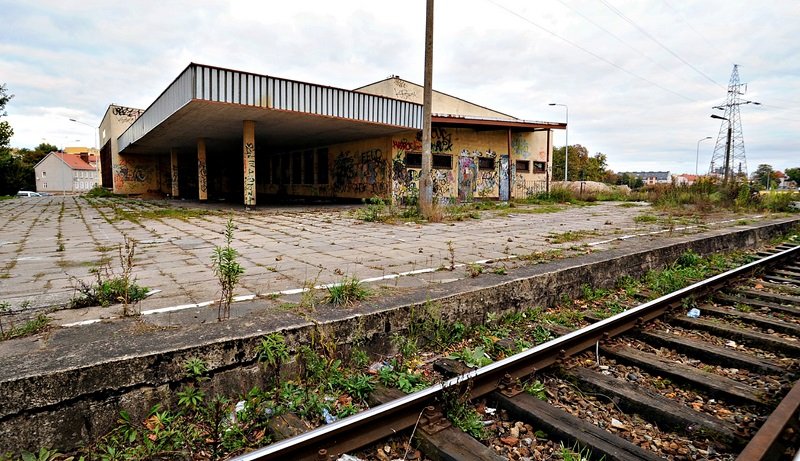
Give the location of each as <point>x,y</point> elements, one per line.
<point>348,458</point>
<point>489,410</point>
<point>378,366</point>
<point>693,313</point>
<point>329,418</point>
<point>239,407</point>
<point>730,343</point>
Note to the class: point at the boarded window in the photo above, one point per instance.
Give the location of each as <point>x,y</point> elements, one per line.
<point>523,166</point>
<point>485,163</point>
<point>308,167</point>
<point>413,160</point>
<point>539,167</point>
<point>322,166</point>
<point>443,162</point>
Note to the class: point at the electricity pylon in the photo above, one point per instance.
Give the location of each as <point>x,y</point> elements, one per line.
<point>729,151</point>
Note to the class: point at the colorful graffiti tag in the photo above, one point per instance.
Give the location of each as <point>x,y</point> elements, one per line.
<point>520,146</point>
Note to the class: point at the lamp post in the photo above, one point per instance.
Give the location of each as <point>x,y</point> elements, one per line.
<point>566,146</point>
<point>697,159</point>
<point>726,175</point>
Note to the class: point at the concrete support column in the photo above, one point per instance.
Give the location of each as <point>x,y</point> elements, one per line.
<point>249,150</point>
<point>202,174</point>
<point>173,157</point>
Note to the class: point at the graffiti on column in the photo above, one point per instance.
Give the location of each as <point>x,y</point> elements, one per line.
<point>175,176</point>
<point>202,176</point>
<point>249,174</point>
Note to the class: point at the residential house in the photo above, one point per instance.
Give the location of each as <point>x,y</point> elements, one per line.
<point>59,172</point>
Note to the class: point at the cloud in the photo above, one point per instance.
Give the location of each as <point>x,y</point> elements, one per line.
<point>628,96</point>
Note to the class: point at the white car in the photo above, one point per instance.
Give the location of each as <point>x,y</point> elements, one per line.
<point>27,193</point>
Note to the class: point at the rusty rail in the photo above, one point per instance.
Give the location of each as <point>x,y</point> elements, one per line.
<point>384,420</point>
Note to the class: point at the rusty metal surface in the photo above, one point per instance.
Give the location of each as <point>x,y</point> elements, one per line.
<point>762,444</point>
<point>403,413</point>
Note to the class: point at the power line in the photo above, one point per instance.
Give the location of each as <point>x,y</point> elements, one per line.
<point>595,55</point>
<point>619,39</point>
<point>648,35</point>
<point>686,21</point>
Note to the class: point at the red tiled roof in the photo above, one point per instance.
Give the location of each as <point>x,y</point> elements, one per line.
<point>74,161</point>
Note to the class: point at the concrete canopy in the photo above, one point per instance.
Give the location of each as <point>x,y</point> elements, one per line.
<point>208,102</point>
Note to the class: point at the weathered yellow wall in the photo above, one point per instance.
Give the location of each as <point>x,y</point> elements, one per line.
<point>465,180</point>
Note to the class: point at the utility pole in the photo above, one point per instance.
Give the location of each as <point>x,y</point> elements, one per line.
<point>425,180</point>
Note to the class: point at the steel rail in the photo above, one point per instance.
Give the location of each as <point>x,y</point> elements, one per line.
<point>384,420</point>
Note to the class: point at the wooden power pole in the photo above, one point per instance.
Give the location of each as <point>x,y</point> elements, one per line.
<point>425,180</point>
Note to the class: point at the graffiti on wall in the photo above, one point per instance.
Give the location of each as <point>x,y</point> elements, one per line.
<point>403,91</point>
<point>249,174</point>
<point>467,176</point>
<point>520,146</point>
<point>404,181</point>
<point>441,140</point>
<point>362,173</point>
<point>126,114</point>
<point>407,146</point>
<point>129,175</point>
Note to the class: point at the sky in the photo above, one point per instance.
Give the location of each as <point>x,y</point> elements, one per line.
<point>639,77</point>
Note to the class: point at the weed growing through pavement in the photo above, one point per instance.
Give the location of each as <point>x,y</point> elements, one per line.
<point>36,325</point>
<point>346,292</point>
<point>109,287</point>
<point>228,271</point>
<point>474,269</point>
<point>452,252</point>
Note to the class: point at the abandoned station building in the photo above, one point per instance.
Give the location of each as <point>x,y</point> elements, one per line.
<point>223,134</point>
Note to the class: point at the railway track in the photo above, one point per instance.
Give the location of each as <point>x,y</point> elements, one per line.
<point>649,383</point>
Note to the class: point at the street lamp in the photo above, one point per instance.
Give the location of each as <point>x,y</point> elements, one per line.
<point>566,147</point>
<point>726,176</point>
<point>697,160</point>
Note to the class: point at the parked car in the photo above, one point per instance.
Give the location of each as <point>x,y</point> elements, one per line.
<point>27,193</point>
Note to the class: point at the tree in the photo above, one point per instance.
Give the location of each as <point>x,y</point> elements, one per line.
<point>764,177</point>
<point>10,167</point>
<point>5,129</point>
<point>581,166</point>
<point>793,174</point>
